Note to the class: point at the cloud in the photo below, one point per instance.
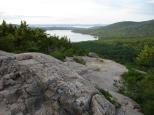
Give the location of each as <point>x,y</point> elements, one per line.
<point>76,11</point>
<point>151,1</point>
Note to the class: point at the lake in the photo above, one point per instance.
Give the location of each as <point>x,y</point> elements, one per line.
<point>74,37</point>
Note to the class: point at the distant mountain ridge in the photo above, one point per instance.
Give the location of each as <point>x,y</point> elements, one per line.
<point>122,29</point>
<point>64,26</point>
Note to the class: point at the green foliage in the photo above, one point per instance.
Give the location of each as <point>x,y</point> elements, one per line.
<point>140,87</point>
<point>148,93</point>
<point>68,52</point>
<point>117,52</point>
<point>146,56</point>
<point>132,86</point>
<point>148,107</point>
<point>7,43</point>
<point>24,39</point>
<point>58,54</point>
<point>122,29</point>
<point>123,50</point>
<point>79,60</point>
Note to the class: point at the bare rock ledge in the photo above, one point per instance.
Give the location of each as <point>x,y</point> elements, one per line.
<point>38,84</point>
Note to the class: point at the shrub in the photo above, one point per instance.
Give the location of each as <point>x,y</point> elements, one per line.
<point>79,60</point>
<point>58,54</point>
<point>146,56</point>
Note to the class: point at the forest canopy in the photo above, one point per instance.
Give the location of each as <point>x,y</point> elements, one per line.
<point>22,38</point>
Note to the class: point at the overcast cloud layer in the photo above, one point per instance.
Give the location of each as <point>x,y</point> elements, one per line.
<point>76,11</point>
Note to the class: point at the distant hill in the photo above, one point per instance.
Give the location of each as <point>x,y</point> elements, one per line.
<point>122,29</point>
<point>57,28</point>
<point>64,26</point>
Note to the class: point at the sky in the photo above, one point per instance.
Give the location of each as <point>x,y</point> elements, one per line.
<point>75,11</point>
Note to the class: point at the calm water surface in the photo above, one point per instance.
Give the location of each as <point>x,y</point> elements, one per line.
<point>74,37</point>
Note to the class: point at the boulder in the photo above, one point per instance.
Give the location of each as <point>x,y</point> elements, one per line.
<point>92,54</point>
